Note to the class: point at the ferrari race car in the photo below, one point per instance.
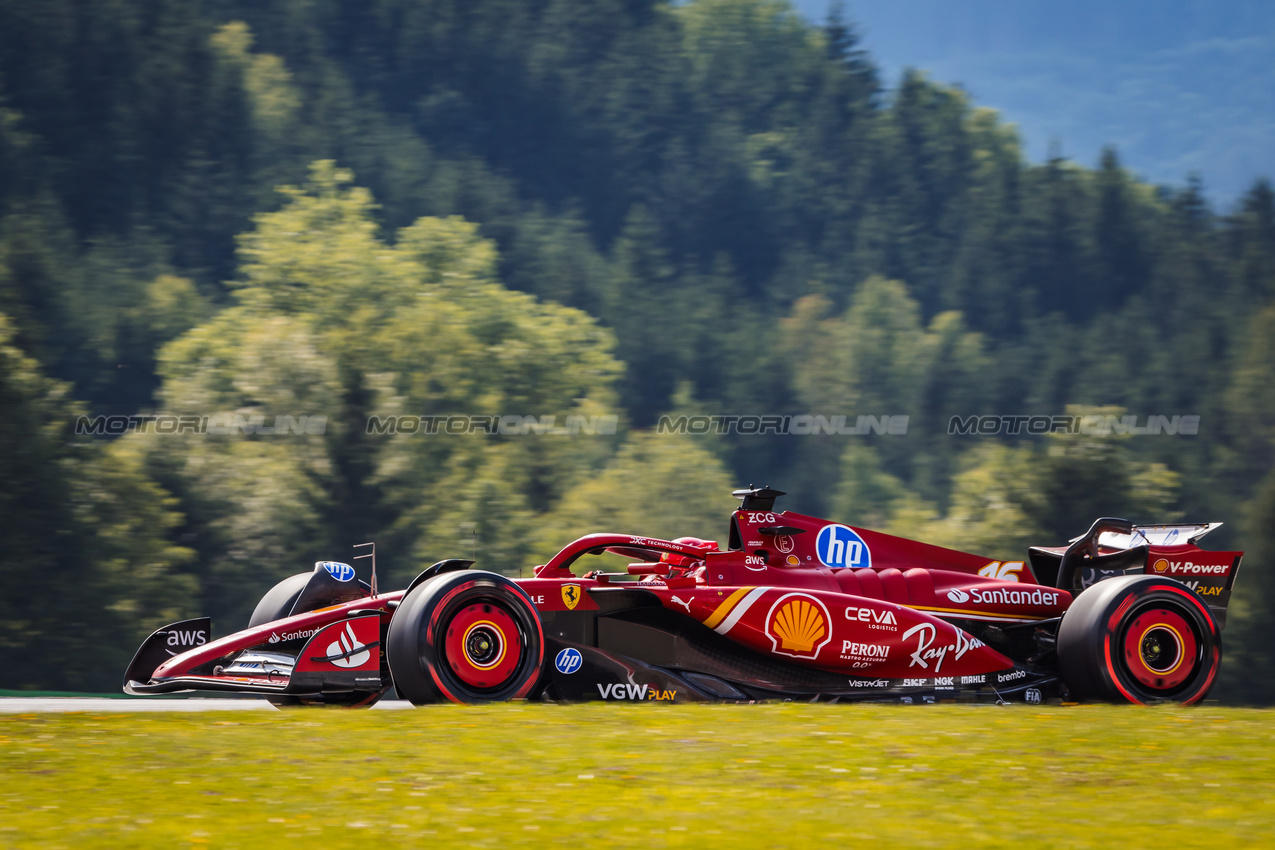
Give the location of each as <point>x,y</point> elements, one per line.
<point>795,607</point>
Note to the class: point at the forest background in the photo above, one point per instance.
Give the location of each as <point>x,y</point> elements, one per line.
<point>612,211</point>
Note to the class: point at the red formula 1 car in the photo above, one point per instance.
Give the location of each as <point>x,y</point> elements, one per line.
<point>794,608</point>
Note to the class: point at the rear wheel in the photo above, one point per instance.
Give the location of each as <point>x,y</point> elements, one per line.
<point>1139,639</point>
<point>467,637</point>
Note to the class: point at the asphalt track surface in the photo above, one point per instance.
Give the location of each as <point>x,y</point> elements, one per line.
<point>99,705</point>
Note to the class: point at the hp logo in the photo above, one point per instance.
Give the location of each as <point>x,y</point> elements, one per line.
<point>839,546</point>
<point>568,661</point>
<point>339,571</point>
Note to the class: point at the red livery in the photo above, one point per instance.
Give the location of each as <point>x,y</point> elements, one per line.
<point>794,607</point>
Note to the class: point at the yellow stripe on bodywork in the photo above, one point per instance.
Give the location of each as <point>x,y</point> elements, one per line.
<point>724,609</point>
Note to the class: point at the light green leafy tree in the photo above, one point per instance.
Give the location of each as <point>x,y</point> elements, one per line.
<point>1005,498</point>
<point>878,359</point>
<point>332,321</point>
<point>656,485</point>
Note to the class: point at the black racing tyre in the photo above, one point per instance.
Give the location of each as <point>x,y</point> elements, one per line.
<point>1139,639</point>
<point>278,601</point>
<point>467,637</point>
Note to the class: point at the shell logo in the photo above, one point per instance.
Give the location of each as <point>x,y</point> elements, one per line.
<point>1160,565</point>
<point>798,626</point>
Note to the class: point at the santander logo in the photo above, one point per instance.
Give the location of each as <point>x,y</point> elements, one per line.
<point>346,651</point>
<point>958,595</point>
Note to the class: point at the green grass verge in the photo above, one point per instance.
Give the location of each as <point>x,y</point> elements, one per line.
<point>785,775</point>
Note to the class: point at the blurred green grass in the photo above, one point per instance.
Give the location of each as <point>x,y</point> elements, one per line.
<point>783,775</point>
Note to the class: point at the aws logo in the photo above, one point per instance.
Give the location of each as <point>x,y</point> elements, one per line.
<point>839,546</point>
<point>184,639</point>
<point>798,626</point>
<point>192,637</point>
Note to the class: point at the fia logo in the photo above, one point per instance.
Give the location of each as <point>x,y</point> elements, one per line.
<point>839,546</point>
<point>571,596</point>
<point>1033,696</point>
<point>338,571</point>
<point>568,661</point>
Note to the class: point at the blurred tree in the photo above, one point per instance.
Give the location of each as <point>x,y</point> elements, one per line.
<point>332,322</point>
<point>1250,661</point>
<point>1084,476</point>
<point>658,485</point>
<point>1006,498</point>
<point>1118,241</point>
<point>866,496</point>
<point>83,526</point>
<point>647,312</point>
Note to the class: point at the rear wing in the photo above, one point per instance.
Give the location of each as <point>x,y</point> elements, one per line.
<point>1156,535</point>
<point>1114,547</point>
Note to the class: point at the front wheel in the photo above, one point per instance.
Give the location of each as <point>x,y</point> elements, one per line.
<point>1139,639</point>
<point>467,637</point>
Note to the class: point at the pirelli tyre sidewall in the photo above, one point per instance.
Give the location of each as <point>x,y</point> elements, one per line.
<point>466,637</point>
<point>1139,639</point>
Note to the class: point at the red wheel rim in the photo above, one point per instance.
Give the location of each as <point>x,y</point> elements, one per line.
<point>1160,649</point>
<point>483,645</point>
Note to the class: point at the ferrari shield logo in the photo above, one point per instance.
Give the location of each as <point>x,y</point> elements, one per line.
<point>571,596</point>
